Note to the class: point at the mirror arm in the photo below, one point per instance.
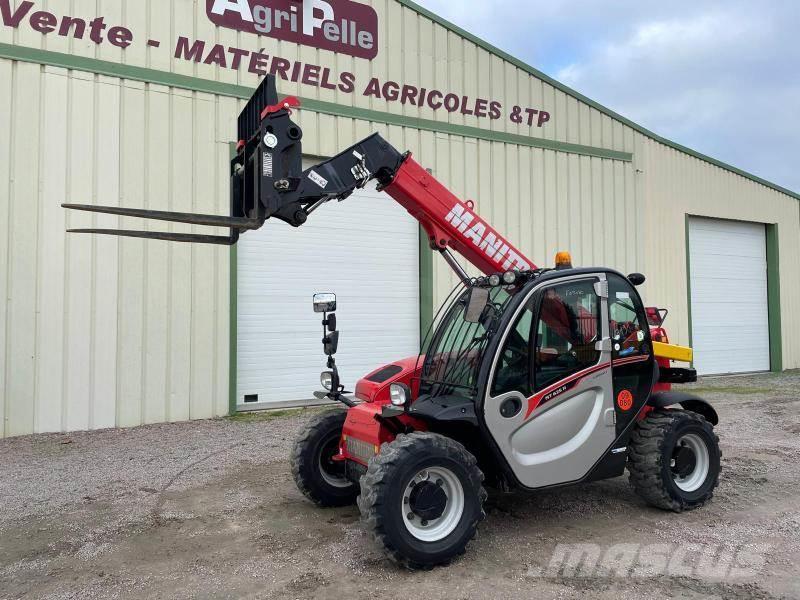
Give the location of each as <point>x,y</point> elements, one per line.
<point>337,389</point>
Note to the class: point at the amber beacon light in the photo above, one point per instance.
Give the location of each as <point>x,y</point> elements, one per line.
<point>563,260</point>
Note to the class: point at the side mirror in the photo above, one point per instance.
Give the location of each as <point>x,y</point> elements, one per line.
<point>325,302</point>
<point>331,343</point>
<point>331,322</point>
<point>478,299</point>
<point>636,278</point>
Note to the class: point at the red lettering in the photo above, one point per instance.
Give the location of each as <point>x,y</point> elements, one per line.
<point>43,22</point>
<point>238,55</point>
<point>311,75</point>
<point>464,109</point>
<point>373,88</point>
<point>217,56</point>
<point>326,80</point>
<point>494,110</point>
<point>480,107</point>
<point>121,37</point>
<point>544,117</point>
<point>183,51</point>
<point>391,91</point>
<point>451,103</point>
<point>67,22</point>
<point>347,82</point>
<point>409,94</point>
<point>258,63</point>
<point>296,71</point>
<point>13,20</point>
<point>280,66</point>
<point>96,28</point>
<point>531,113</point>
<point>435,104</point>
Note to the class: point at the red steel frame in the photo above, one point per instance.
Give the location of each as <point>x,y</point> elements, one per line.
<point>449,222</point>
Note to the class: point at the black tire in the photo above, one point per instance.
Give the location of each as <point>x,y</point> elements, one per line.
<point>657,463</point>
<point>390,478</point>
<point>313,471</point>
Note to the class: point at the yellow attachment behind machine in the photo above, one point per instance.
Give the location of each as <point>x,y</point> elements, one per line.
<point>672,352</point>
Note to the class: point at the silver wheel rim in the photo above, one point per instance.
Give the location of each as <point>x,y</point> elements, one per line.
<point>439,528</point>
<point>333,480</point>
<point>694,480</point>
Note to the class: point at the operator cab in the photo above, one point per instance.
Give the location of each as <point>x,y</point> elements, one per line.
<point>553,368</point>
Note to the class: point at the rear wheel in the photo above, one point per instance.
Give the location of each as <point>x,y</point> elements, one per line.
<point>674,460</point>
<point>317,475</point>
<point>422,499</point>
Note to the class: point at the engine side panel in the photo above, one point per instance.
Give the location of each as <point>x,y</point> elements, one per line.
<point>375,386</point>
<point>365,430</point>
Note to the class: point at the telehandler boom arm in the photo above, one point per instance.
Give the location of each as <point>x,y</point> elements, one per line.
<point>267,181</point>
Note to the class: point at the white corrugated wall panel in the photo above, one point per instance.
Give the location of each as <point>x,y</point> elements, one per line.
<point>95,331</point>
<point>412,49</point>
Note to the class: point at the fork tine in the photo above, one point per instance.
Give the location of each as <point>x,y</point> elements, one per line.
<point>162,235</point>
<point>176,217</point>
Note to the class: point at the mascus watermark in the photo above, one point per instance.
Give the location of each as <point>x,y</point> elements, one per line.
<point>702,561</point>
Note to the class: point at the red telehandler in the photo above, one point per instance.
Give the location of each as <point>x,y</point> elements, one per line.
<point>530,377</point>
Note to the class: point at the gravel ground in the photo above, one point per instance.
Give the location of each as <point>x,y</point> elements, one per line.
<point>209,509</point>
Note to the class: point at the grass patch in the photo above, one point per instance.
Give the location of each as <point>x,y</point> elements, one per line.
<point>740,391</point>
<point>259,416</point>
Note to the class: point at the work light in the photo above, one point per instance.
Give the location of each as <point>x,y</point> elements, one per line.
<point>326,379</point>
<point>399,394</point>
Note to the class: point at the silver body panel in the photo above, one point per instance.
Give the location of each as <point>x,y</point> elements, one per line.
<point>562,439</point>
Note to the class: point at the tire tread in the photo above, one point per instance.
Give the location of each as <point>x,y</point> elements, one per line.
<point>317,425</point>
<point>379,474</point>
<point>645,458</point>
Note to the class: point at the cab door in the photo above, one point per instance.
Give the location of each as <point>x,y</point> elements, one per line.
<point>549,402</point>
<point>632,350</point>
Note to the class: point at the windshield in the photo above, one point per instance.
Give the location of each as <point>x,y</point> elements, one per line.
<point>457,346</point>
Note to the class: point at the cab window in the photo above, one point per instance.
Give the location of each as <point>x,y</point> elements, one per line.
<point>513,367</point>
<point>558,340</point>
<point>628,325</point>
<point>567,332</point>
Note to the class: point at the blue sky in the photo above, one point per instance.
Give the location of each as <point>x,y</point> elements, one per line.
<point>720,77</point>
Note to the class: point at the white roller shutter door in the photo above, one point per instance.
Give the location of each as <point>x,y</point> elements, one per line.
<point>366,250</point>
<point>730,319</point>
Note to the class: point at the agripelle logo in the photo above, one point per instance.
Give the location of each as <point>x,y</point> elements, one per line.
<point>336,25</point>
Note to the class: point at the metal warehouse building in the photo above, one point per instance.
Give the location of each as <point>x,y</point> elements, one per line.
<point>135,103</point>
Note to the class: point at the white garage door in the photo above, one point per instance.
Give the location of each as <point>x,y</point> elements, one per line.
<point>728,264</point>
<point>365,250</point>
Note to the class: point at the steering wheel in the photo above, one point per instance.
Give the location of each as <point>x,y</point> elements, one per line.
<point>514,355</point>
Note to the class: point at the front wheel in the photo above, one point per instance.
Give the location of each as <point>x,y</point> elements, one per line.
<point>674,460</point>
<point>317,475</point>
<point>422,498</point>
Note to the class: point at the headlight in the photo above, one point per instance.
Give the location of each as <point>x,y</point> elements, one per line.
<point>494,280</point>
<point>509,277</point>
<point>326,379</point>
<point>399,394</point>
